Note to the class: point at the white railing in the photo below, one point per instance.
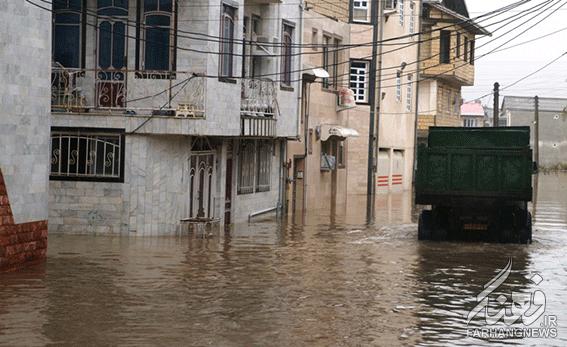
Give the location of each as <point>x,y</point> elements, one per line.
<point>258,98</point>
<point>84,90</point>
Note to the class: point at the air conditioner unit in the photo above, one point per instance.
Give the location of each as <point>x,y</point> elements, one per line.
<point>263,46</point>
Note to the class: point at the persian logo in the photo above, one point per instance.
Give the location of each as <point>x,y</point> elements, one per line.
<point>503,311</point>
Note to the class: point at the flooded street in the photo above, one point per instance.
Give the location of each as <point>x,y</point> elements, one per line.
<point>331,280</point>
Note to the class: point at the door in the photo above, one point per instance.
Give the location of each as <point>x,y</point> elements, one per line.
<point>111,54</point>
<point>228,192</point>
<point>201,180</point>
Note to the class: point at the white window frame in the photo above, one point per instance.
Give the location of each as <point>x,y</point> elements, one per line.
<point>390,5</point>
<point>363,5</point>
<point>360,76</point>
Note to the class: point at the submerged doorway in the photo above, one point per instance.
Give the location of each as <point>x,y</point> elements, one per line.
<point>202,177</point>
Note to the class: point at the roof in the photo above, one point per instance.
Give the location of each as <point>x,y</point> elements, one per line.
<point>472,108</point>
<point>527,103</point>
<point>458,9</point>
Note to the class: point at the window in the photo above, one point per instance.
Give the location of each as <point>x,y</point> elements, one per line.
<point>458,48</point>
<point>314,39</point>
<point>335,68</point>
<point>390,5</point>
<point>409,93</point>
<point>255,166</point>
<point>412,19</point>
<point>359,80</point>
<point>287,41</point>
<point>227,41</point>
<point>399,86</point>
<point>246,167</point>
<point>328,160</point>
<point>466,45</point>
<point>341,162</point>
<point>326,59</point>
<point>471,58</point>
<point>87,154</point>
<point>158,35</point>
<point>264,163</point>
<point>445,47</point>
<point>68,31</point>
<point>360,11</point>
<point>402,14</point>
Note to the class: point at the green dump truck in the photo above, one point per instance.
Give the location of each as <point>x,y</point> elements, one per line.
<point>478,182</point>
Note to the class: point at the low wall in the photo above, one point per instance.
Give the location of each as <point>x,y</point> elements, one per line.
<point>19,243</point>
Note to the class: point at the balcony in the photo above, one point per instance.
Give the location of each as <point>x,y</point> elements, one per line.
<point>458,71</point>
<point>258,107</point>
<point>178,94</point>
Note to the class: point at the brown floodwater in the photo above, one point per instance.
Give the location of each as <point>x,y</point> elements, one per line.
<point>321,279</point>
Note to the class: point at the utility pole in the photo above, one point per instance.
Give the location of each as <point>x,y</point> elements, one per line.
<point>536,131</point>
<point>496,104</point>
<point>377,14</point>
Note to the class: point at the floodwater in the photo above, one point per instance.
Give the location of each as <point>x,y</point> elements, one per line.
<point>330,280</point>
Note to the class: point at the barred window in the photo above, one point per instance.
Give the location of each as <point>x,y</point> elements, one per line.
<point>326,59</point>
<point>227,41</point>
<point>264,166</point>
<point>87,154</point>
<point>359,80</point>
<point>287,53</point>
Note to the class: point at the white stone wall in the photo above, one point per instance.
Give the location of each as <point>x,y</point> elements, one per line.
<point>25,51</point>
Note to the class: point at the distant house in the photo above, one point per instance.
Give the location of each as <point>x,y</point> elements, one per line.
<point>519,110</point>
<point>472,114</point>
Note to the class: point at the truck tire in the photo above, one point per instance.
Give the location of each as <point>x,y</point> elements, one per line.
<point>424,226</point>
<point>526,231</point>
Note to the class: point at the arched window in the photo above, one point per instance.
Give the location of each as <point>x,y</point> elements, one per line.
<point>68,30</point>
<point>157,35</point>
<point>112,34</point>
<point>227,41</point>
<point>287,40</point>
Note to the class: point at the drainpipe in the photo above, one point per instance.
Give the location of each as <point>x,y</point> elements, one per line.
<point>300,56</point>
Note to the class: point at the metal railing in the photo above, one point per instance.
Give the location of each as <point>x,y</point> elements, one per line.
<point>258,98</point>
<point>84,90</point>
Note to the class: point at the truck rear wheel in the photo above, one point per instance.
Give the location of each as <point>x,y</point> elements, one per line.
<point>424,225</point>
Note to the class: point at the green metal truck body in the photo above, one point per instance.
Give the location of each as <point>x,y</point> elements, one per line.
<point>478,181</point>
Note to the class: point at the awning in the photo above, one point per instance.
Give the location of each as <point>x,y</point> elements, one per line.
<point>328,130</point>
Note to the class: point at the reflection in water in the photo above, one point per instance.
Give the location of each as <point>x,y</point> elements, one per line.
<point>329,280</point>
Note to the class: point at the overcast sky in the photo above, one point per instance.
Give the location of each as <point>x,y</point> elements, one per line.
<point>512,64</point>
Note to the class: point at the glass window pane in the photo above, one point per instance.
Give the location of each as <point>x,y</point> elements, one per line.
<point>118,48</point>
<point>104,45</point>
<point>67,40</point>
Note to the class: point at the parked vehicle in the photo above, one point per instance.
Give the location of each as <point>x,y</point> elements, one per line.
<point>478,182</point>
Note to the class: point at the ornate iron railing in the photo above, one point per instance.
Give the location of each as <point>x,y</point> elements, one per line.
<point>258,98</point>
<point>83,90</point>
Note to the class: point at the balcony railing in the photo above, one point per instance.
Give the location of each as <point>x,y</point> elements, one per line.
<point>258,98</point>
<point>169,93</point>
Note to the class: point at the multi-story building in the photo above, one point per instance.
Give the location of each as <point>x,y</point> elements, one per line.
<point>167,110</point>
<point>318,166</point>
<point>397,100</point>
<point>473,114</point>
<point>24,132</point>
<point>447,56</point>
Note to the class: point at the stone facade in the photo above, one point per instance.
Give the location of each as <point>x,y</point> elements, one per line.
<point>159,186</point>
<point>25,38</point>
